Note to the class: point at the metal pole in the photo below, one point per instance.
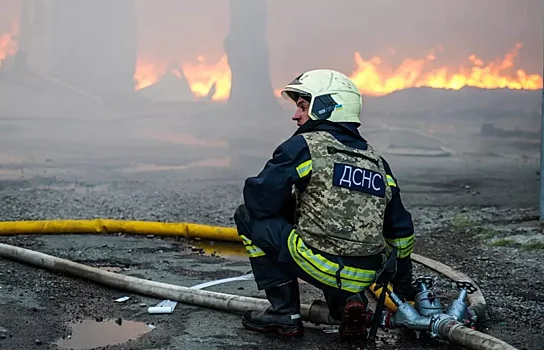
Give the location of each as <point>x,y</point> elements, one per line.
<point>542,144</point>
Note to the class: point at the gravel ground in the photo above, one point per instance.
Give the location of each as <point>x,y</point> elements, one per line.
<point>479,217</point>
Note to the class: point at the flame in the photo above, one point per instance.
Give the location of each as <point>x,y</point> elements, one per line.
<point>147,73</point>
<point>8,42</point>
<point>201,76</point>
<point>373,78</point>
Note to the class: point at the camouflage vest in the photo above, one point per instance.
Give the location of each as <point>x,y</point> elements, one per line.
<point>341,211</point>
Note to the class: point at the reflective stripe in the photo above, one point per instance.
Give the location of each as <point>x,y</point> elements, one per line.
<point>390,181</point>
<point>323,270</point>
<point>245,240</point>
<point>304,169</point>
<point>405,246</point>
<point>252,250</point>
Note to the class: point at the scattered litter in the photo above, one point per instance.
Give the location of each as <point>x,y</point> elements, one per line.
<point>122,299</point>
<point>164,307</point>
<point>330,329</point>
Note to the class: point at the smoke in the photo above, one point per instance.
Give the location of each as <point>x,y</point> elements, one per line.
<point>305,34</point>
<point>86,68</point>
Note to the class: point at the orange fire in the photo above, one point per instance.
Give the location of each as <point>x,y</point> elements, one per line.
<point>201,76</point>
<point>373,78</point>
<point>8,42</point>
<point>147,73</point>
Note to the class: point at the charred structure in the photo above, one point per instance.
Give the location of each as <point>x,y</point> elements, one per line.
<point>246,46</point>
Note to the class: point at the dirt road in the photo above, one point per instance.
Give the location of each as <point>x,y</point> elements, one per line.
<point>477,216</point>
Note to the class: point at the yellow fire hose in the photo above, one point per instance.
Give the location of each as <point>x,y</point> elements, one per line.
<point>105,226</point>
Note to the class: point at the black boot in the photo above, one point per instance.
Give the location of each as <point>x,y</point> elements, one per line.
<point>282,317</point>
<point>336,305</point>
<point>354,318</point>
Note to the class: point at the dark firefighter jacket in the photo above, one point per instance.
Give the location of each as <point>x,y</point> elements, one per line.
<point>270,192</point>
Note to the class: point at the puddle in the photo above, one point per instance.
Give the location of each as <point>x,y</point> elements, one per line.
<point>74,188</point>
<point>207,163</point>
<point>9,174</point>
<point>90,334</point>
<point>8,158</point>
<point>19,174</point>
<point>230,251</point>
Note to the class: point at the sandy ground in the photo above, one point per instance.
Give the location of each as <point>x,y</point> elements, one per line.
<point>475,213</point>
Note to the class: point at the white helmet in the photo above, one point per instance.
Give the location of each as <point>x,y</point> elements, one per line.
<point>332,95</point>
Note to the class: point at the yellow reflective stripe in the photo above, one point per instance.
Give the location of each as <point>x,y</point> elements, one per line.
<point>401,243</point>
<point>245,240</point>
<point>405,246</point>
<point>347,272</point>
<point>404,253</point>
<point>252,250</point>
<point>324,270</point>
<point>316,274</point>
<point>304,169</point>
<point>390,181</point>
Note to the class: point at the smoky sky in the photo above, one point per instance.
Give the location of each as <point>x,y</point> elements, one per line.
<point>306,34</point>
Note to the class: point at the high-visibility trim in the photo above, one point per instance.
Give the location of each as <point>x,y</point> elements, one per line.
<point>252,250</point>
<point>304,169</point>
<point>405,246</point>
<point>323,270</point>
<point>390,181</point>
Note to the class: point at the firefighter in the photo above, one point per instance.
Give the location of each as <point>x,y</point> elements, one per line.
<point>325,208</point>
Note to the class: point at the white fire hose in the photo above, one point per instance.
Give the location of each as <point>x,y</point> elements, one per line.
<point>317,313</point>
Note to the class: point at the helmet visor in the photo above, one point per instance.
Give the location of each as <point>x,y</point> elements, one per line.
<point>294,94</point>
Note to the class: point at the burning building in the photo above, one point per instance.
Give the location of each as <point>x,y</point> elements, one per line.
<point>243,52</point>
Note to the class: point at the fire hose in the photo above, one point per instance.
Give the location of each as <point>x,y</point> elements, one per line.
<point>450,326</point>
